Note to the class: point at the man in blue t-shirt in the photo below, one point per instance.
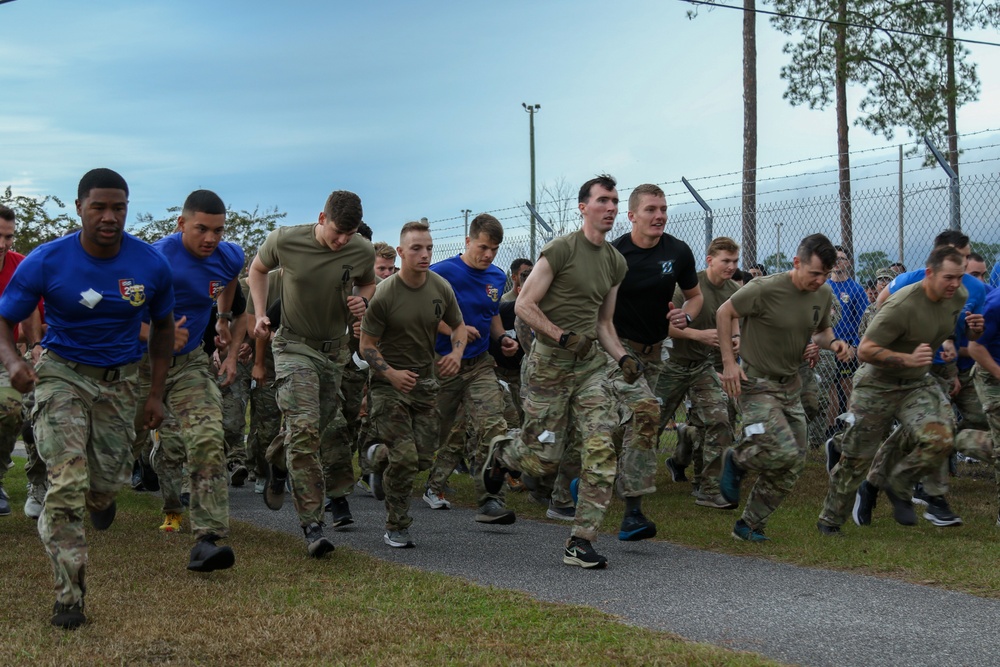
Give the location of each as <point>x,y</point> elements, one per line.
<point>478,286</point>
<point>97,285</point>
<point>852,301</point>
<point>206,270</point>
<point>986,377</point>
<point>932,488</point>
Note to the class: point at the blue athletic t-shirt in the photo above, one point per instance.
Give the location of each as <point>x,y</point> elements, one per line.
<point>973,304</point>
<point>990,338</point>
<point>93,307</point>
<point>853,301</point>
<point>198,282</point>
<point>478,292</point>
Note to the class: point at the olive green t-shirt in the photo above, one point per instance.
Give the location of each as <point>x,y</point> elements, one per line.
<point>317,280</point>
<point>689,351</point>
<point>908,319</point>
<point>583,274</point>
<point>406,319</point>
<point>777,319</point>
<point>273,290</point>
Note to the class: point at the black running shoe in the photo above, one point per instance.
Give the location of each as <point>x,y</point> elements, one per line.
<point>940,514</point>
<point>317,544</point>
<point>102,519</point>
<point>274,492</point>
<point>581,553</point>
<point>341,512</point>
<point>902,509</point>
<point>206,556</point>
<point>864,503</point>
<point>635,527</point>
<point>68,616</point>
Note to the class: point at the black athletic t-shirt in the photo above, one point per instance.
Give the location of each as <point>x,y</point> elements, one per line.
<point>644,296</point>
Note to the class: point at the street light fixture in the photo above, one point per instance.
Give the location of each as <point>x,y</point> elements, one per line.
<point>532,109</point>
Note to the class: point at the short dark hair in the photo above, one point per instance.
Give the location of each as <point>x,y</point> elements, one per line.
<point>976,257</point>
<point>840,248</point>
<point>365,230</point>
<point>604,180</point>
<point>484,223</point>
<point>7,213</point>
<point>644,189</point>
<point>515,266</point>
<point>759,267</point>
<point>901,266</point>
<point>817,245</point>
<point>343,209</point>
<point>942,254</point>
<point>413,226</point>
<point>952,237</point>
<point>100,178</point>
<point>204,201</point>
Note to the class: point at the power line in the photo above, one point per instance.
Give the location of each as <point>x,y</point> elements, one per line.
<point>911,33</point>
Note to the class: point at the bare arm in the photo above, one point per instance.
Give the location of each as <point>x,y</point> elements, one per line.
<point>224,304</point>
<point>22,375</point>
<point>403,381</point>
<point>606,333</point>
<point>870,352</point>
<point>826,340</point>
<point>257,280</point>
<point>983,357</point>
<point>693,301</point>
<point>732,374</point>
<point>161,349</point>
<point>526,306</point>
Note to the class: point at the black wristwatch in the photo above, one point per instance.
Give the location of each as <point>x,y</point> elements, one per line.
<point>227,316</point>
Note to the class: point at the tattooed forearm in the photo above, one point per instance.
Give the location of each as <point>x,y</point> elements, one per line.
<point>524,334</point>
<point>886,359</point>
<point>375,360</point>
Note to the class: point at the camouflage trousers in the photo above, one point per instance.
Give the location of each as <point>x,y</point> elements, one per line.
<point>988,391</point>
<point>513,412</point>
<point>901,442</point>
<point>265,424</point>
<point>308,387</point>
<point>235,398</point>
<point>810,391</point>
<point>876,400</point>
<point>567,398</point>
<point>34,467</point>
<point>191,438</point>
<point>10,420</point>
<point>408,426</point>
<point>773,443</point>
<point>709,428</point>
<point>475,389</point>
<point>83,431</point>
<point>339,448</point>
<point>639,412</point>
<point>969,403</point>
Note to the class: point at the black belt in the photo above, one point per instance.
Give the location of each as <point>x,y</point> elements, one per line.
<point>100,373</point>
<point>472,361</point>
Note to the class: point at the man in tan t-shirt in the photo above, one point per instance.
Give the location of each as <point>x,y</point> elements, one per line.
<point>397,340</point>
<point>328,277</point>
<point>779,314</point>
<point>569,301</point>
<point>895,384</point>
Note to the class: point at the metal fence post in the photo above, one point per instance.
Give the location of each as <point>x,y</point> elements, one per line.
<point>709,216</point>
<point>956,212</point>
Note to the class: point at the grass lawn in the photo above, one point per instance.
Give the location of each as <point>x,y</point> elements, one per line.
<point>277,607</point>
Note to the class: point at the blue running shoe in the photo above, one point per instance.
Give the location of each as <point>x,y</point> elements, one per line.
<point>574,490</point>
<point>732,477</point>
<point>635,527</point>
<point>742,531</point>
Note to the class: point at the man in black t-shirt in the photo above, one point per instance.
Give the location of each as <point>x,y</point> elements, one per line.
<point>657,264</point>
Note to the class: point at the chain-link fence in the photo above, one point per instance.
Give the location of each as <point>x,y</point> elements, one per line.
<point>888,226</point>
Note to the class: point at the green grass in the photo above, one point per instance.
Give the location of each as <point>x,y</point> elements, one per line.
<point>278,607</point>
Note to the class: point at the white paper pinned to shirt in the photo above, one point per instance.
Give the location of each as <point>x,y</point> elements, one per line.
<point>754,429</point>
<point>90,298</point>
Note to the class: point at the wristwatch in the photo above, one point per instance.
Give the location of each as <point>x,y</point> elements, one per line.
<point>227,316</point>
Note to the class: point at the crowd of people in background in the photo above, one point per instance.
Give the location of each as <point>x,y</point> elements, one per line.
<point>128,361</point>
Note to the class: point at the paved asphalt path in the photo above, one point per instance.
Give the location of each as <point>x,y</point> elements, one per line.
<point>791,614</point>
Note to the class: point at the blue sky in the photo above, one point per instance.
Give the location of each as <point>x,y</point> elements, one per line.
<point>414,106</point>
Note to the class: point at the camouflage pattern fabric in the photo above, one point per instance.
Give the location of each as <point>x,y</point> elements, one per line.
<point>708,418</point>
<point>191,446</point>
<point>810,391</point>
<point>265,423</point>
<point>988,391</point>
<point>408,426</point>
<point>339,446</point>
<point>83,429</point>
<point>773,443</point>
<point>513,411</point>
<point>561,391</point>
<point>922,410</point>
<point>10,420</point>
<point>476,388</point>
<point>308,387</point>
<point>640,412</point>
<point>235,398</point>
<point>34,467</point>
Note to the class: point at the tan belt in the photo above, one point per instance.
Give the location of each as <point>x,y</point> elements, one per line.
<point>561,352</point>
<point>323,346</point>
<point>99,373</point>
<point>752,372</point>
